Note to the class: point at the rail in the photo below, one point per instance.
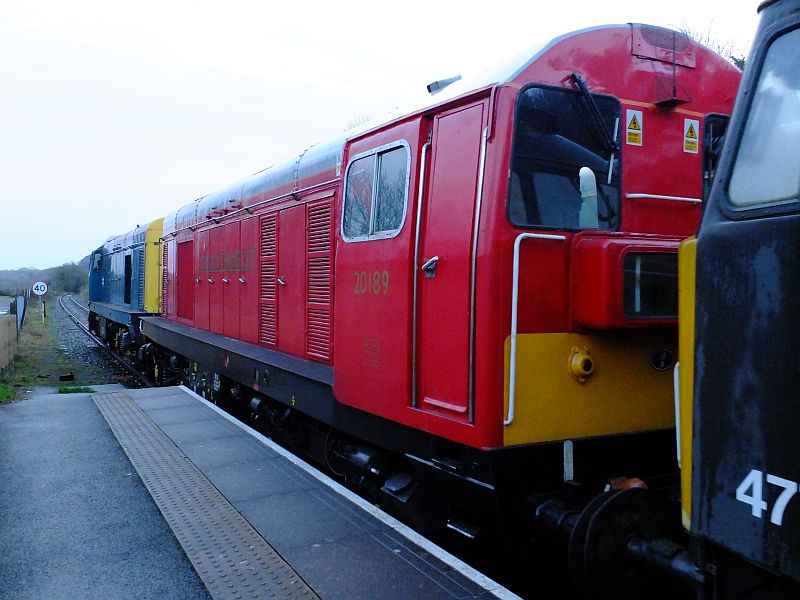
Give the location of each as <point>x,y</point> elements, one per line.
<point>76,303</point>
<point>123,362</point>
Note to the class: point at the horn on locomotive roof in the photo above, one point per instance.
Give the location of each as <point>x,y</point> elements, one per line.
<point>437,86</point>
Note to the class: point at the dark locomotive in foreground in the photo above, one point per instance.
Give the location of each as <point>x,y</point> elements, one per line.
<point>469,311</point>
<point>740,462</point>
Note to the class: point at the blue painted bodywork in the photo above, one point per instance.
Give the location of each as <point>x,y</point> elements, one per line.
<point>108,280</point>
<point>117,279</point>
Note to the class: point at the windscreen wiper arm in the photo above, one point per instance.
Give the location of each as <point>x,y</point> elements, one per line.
<point>596,119</point>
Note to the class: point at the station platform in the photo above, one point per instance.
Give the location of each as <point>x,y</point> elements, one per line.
<point>256,521</point>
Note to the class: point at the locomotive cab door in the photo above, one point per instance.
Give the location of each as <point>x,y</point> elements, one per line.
<point>443,352</point>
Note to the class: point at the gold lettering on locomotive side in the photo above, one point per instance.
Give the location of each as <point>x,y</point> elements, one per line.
<point>374,283</point>
<point>225,262</point>
<point>231,261</point>
<point>209,263</point>
<point>248,259</point>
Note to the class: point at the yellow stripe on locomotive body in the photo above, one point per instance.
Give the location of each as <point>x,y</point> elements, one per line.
<point>687,269</point>
<point>152,266</point>
<point>625,392</point>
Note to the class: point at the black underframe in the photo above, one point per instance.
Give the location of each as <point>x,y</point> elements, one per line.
<point>308,387</point>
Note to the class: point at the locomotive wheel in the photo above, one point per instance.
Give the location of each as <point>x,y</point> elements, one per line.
<point>598,556</point>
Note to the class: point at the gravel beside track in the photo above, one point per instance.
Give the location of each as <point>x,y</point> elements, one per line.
<point>90,362</point>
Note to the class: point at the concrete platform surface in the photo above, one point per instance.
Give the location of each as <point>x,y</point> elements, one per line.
<point>75,519</point>
<point>82,518</point>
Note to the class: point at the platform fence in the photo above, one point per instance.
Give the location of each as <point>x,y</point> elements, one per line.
<point>8,340</point>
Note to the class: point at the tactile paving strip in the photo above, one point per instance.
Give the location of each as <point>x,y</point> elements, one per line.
<point>231,557</point>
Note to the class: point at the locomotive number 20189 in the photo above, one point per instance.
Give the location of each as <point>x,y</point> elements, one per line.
<point>375,283</point>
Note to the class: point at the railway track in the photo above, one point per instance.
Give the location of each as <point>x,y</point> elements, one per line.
<point>66,300</point>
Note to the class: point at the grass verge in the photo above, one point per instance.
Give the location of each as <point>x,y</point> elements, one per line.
<point>7,392</point>
<point>40,361</point>
<point>80,389</point>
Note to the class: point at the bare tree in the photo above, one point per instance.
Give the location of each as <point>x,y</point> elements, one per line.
<point>725,48</point>
<point>69,277</point>
<point>357,122</point>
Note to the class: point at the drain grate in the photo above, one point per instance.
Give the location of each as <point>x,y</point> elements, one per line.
<point>231,557</point>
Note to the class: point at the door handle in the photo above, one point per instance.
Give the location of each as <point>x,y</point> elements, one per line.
<point>429,266</point>
<point>281,281</point>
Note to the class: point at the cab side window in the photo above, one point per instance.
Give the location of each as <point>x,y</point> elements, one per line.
<point>376,192</point>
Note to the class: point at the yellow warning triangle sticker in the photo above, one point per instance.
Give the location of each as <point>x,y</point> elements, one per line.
<point>690,133</point>
<point>634,124</point>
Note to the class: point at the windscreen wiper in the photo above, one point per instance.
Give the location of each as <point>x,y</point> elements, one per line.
<point>595,118</point>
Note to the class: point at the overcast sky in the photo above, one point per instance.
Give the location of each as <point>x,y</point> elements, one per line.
<point>114,113</point>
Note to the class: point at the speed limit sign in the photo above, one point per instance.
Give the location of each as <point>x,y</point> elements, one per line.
<point>39,288</point>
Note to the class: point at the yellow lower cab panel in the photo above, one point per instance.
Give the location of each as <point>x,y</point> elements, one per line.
<point>630,387</point>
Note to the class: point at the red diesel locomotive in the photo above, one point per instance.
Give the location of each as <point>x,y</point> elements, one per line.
<point>471,307</point>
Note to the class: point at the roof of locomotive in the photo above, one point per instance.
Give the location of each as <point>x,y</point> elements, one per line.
<point>282,179</point>
<point>326,157</point>
<point>129,239</point>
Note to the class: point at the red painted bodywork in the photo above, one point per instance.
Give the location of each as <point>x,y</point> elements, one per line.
<point>216,295</point>
<point>202,250</point>
<point>597,279</point>
<point>285,225</point>
<point>291,270</point>
<point>185,297</point>
<point>248,271</point>
<point>444,300</point>
<point>231,268</point>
